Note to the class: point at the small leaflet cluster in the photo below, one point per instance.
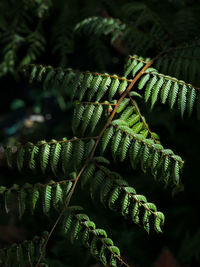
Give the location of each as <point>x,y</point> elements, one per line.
<point>88,86</point>
<point>125,143</point>
<point>96,240</point>
<point>23,254</point>
<point>129,33</point>
<point>182,62</point>
<point>98,26</point>
<point>166,88</point>
<point>29,197</point>
<point>58,157</point>
<point>115,193</point>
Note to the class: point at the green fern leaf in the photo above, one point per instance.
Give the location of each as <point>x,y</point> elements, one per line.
<point>103,87</point>
<point>33,74</point>
<point>133,119</point>
<point>113,198</point>
<point>113,88</point>
<point>108,134</point>
<point>77,80</point>
<point>67,223</point>
<point>137,127</point>
<point>33,152</point>
<point>123,86</point>
<point>191,100</point>
<point>126,200</point>
<point>182,99</point>
<point>156,90</point>
<point>94,87</point>
<point>126,142</point>
<point>44,155</point>
<point>130,65</point>
<point>93,247</point>
<point>116,142</point>
<point>127,113</point>
<point>143,81</point>
<point>123,104</point>
<point>34,196</point>
<point>165,91</point>
<point>96,117</point>
<point>145,220</point>
<point>76,228</point>
<point>55,156</point>
<point>57,195</point>
<point>66,156</point>
<point>134,152</point>
<point>88,113</point>
<point>85,85</point>
<point>88,174</point>
<point>78,155</point>
<point>77,117</point>
<point>173,94</point>
<point>102,255</point>
<point>158,221</point>
<point>149,88</point>
<point>46,199</point>
<point>144,157</point>
<point>137,68</point>
<point>176,177</point>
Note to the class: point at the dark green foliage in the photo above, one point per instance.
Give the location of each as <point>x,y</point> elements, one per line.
<point>43,196</point>
<point>101,247</point>
<point>23,253</point>
<point>112,149</point>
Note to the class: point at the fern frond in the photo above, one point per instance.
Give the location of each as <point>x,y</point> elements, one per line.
<point>134,64</point>
<point>85,86</point>
<point>137,39</point>
<point>141,150</point>
<point>54,156</point>
<point>23,254</point>
<point>181,62</point>
<point>156,84</point>
<point>99,26</point>
<point>115,193</point>
<point>29,197</point>
<point>100,246</point>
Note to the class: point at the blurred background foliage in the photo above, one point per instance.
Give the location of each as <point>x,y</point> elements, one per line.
<point>41,31</point>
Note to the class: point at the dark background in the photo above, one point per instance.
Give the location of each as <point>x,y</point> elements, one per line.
<point>179,245</point>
